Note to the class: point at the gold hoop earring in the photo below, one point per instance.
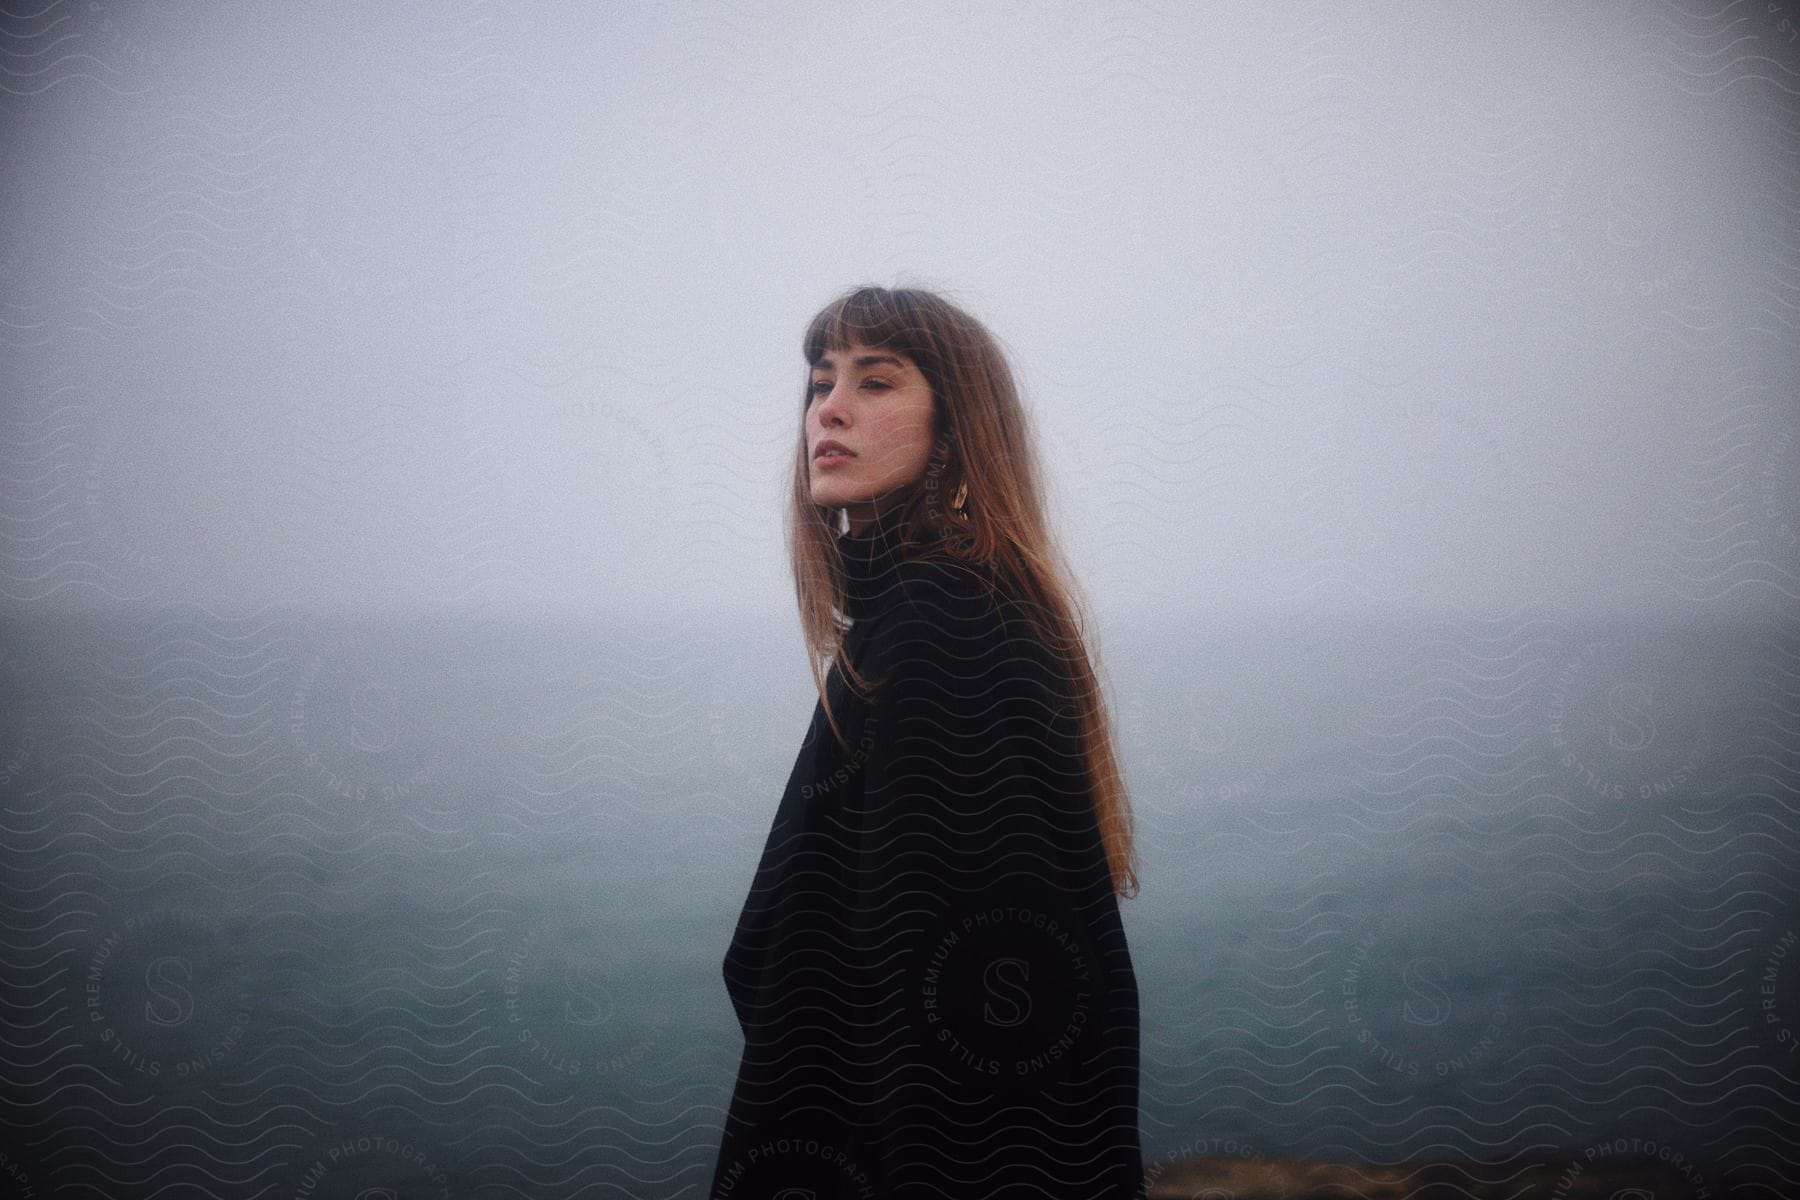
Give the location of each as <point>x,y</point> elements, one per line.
<point>958,501</point>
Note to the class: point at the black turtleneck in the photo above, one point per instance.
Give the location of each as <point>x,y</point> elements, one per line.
<point>872,560</point>
<point>930,971</point>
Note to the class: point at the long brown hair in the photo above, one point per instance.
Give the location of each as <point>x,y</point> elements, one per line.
<point>980,420</point>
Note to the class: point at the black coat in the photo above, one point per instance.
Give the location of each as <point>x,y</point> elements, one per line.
<point>930,972</point>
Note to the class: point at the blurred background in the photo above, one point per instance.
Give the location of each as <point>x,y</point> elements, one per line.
<point>400,667</point>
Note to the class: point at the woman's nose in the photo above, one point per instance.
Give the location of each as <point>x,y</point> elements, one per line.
<point>830,408</point>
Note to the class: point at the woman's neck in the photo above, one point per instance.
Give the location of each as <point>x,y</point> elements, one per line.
<point>859,517</point>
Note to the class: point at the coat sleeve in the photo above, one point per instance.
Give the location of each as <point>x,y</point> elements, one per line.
<point>998,1009</point>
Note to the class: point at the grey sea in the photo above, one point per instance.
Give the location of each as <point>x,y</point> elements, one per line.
<point>331,907</point>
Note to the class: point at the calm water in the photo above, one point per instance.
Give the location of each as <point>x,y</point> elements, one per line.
<point>297,906</point>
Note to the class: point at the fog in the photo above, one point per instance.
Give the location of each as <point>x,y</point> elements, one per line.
<point>1316,309</point>
<point>398,656</point>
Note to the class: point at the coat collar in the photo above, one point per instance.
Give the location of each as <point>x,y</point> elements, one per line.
<point>872,561</point>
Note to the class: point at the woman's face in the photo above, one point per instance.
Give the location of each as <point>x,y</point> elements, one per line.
<point>876,404</point>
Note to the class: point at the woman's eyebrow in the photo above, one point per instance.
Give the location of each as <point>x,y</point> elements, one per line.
<point>863,360</point>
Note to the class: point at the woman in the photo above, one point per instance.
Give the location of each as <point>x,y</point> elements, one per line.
<point>930,971</point>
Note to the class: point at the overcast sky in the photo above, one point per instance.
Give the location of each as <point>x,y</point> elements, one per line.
<point>1326,306</point>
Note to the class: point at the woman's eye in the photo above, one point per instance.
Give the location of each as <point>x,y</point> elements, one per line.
<point>822,386</point>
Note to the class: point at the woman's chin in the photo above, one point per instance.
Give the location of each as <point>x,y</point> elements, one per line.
<point>834,497</point>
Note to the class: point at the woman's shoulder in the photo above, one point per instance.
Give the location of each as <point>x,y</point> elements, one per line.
<point>953,611</point>
<point>947,591</point>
